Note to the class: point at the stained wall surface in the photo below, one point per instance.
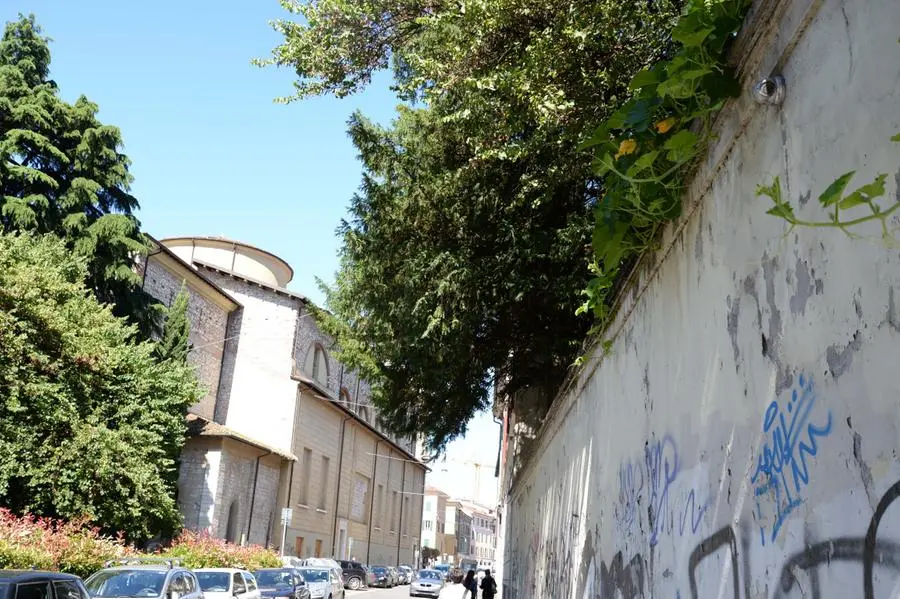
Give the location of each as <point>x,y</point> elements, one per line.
<point>739,438</point>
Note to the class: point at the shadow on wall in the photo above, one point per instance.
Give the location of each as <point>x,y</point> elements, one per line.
<point>530,408</point>
<point>226,378</point>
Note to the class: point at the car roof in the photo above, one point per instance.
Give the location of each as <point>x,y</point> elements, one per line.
<point>226,570</point>
<point>150,567</point>
<point>26,575</point>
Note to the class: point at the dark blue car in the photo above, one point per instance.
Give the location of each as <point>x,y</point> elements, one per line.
<point>35,584</point>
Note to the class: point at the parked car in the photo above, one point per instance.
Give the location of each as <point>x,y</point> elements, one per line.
<point>398,577</point>
<point>354,574</point>
<point>402,575</point>
<point>427,583</point>
<point>35,584</point>
<point>383,577</point>
<point>225,583</point>
<point>323,583</point>
<point>144,579</point>
<point>281,583</point>
<point>408,573</point>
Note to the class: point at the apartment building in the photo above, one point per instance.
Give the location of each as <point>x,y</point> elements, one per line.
<point>457,533</point>
<point>283,425</point>
<point>434,514</point>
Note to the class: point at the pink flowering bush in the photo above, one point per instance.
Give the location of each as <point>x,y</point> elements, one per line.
<point>78,548</point>
<point>49,544</point>
<point>200,550</point>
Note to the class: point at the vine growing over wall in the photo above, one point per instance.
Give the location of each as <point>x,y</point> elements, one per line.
<point>835,200</point>
<point>647,149</point>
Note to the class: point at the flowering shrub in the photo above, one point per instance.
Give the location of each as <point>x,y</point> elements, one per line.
<point>77,548</point>
<point>200,550</point>
<point>48,544</point>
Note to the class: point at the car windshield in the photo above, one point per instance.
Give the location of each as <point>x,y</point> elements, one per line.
<point>378,570</point>
<point>273,578</point>
<point>126,583</point>
<point>314,575</point>
<point>214,582</point>
<point>430,574</point>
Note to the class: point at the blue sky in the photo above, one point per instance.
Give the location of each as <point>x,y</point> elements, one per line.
<point>212,153</point>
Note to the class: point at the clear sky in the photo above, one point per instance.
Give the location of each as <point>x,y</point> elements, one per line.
<point>212,153</point>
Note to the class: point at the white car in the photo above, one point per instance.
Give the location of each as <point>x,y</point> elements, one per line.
<point>322,582</point>
<point>227,583</point>
<point>427,583</point>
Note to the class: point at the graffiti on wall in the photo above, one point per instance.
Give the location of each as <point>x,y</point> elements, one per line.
<point>651,481</point>
<point>791,430</point>
<point>798,574</point>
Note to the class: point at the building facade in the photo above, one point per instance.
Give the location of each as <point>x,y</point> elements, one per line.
<point>282,423</point>
<point>458,533</point>
<point>434,514</point>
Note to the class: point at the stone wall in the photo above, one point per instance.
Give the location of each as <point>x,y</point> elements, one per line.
<point>739,437</point>
<point>208,325</point>
<point>198,483</point>
<point>236,487</point>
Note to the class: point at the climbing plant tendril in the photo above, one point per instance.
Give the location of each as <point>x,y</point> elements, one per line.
<point>647,149</point>
<point>833,198</point>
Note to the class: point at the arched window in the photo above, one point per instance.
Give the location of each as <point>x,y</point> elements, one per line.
<point>231,529</point>
<point>316,365</point>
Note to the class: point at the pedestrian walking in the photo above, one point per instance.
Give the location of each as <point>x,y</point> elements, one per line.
<point>488,586</point>
<point>471,585</point>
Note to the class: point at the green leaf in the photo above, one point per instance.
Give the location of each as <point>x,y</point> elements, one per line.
<point>833,194</point>
<point>852,200</point>
<point>690,38</point>
<point>644,162</point>
<point>875,189</point>
<point>645,77</point>
<point>681,140</point>
<point>782,210</point>
<point>599,136</point>
<point>896,138</point>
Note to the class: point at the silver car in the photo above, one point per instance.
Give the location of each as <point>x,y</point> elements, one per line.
<point>323,583</point>
<point>144,579</point>
<point>427,583</point>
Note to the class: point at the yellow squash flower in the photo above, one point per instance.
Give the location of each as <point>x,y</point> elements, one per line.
<point>664,126</point>
<point>628,146</point>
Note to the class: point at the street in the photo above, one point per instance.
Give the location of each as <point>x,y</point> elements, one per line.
<point>398,592</point>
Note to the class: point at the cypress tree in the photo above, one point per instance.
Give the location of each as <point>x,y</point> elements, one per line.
<point>174,342</point>
<point>62,172</point>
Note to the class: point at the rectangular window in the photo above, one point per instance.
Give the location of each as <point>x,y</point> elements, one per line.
<point>360,503</point>
<point>318,547</point>
<point>379,506</point>
<point>33,590</point>
<point>298,546</point>
<point>428,525</point>
<point>394,510</point>
<point>305,477</point>
<point>408,515</point>
<point>323,490</point>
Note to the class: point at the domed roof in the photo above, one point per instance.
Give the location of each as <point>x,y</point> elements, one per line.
<point>235,257</point>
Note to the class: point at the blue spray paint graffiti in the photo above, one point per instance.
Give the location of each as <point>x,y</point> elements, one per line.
<point>782,471</point>
<point>654,477</point>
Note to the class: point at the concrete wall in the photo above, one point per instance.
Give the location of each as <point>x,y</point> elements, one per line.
<point>258,394</point>
<point>740,437</point>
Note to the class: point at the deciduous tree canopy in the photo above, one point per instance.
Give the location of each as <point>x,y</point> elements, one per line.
<point>62,172</point>
<point>91,423</point>
<point>468,242</point>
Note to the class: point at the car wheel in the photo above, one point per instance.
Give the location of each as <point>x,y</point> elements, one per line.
<point>354,583</point>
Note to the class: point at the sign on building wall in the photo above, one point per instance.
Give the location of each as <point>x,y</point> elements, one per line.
<point>358,499</point>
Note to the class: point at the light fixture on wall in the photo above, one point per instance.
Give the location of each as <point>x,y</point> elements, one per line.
<point>770,90</point>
